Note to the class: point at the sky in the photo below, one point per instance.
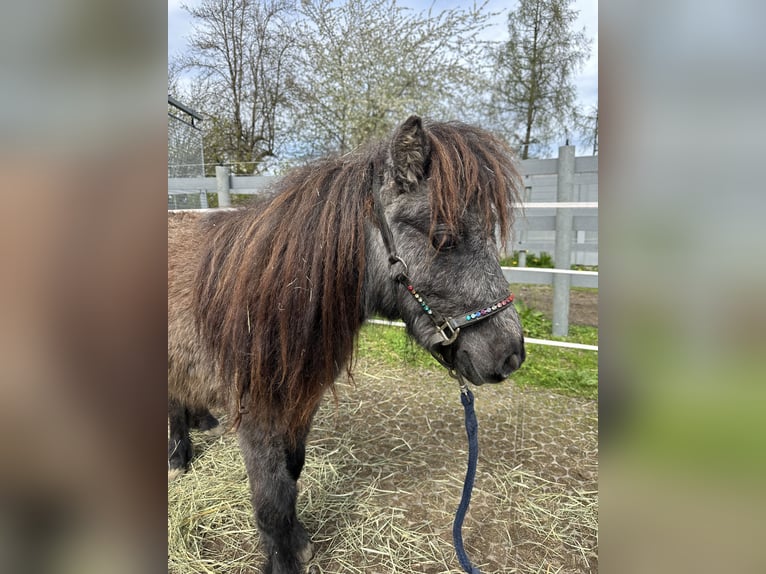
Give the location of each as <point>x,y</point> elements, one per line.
<point>180,27</point>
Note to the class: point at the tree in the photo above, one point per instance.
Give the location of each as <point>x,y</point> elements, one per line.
<point>586,124</point>
<point>241,51</point>
<point>366,64</point>
<point>534,92</point>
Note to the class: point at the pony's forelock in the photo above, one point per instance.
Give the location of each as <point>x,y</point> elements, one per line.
<point>468,166</point>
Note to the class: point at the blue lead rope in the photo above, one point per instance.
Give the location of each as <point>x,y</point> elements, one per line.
<point>471,427</point>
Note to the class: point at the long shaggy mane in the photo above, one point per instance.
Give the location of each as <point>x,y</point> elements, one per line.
<point>279,291</point>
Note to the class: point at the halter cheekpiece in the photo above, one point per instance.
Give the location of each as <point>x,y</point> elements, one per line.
<point>448,328</point>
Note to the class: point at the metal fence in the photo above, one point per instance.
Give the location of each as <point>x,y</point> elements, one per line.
<point>186,157</point>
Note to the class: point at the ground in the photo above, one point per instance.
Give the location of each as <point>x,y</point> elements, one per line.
<point>583,303</point>
<point>384,473</point>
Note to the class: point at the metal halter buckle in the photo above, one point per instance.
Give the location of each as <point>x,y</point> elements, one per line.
<point>448,332</point>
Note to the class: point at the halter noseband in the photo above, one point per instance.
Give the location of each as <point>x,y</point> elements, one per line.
<point>447,328</point>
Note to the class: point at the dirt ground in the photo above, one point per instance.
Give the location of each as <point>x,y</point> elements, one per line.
<point>534,507</point>
<point>583,305</point>
<point>384,472</point>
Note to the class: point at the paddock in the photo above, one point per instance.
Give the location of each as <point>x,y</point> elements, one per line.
<point>386,458</point>
<point>383,476</point>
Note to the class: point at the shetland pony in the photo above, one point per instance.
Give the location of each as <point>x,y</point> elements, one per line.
<point>265,302</point>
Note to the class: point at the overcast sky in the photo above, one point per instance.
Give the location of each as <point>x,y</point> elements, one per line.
<point>179,28</point>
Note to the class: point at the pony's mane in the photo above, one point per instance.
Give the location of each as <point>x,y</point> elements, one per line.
<point>279,293</point>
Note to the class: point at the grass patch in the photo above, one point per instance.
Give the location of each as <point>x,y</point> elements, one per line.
<point>568,371</point>
<point>392,346</point>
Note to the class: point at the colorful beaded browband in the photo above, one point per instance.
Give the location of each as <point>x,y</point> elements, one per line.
<point>455,323</point>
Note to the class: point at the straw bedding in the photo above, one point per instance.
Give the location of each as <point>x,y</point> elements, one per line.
<point>384,474</point>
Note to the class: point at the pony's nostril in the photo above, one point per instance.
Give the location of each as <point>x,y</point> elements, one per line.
<point>511,363</point>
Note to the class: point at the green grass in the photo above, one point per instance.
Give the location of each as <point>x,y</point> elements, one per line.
<point>543,259</point>
<point>567,371</point>
<point>391,345</point>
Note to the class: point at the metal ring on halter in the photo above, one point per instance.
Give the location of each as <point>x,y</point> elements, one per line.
<point>461,381</point>
<point>392,259</point>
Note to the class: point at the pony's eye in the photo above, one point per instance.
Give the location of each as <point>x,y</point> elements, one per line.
<point>443,240</point>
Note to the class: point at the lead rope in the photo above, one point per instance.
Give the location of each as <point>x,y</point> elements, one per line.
<point>471,428</point>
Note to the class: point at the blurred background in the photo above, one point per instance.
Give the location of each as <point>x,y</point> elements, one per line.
<point>682,395</point>
<point>82,295</point>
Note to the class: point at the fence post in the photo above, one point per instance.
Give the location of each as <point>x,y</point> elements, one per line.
<point>222,183</point>
<point>563,252</point>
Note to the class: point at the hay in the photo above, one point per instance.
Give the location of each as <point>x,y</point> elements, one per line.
<point>383,477</point>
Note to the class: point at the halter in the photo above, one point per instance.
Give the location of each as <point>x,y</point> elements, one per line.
<point>447,328</point>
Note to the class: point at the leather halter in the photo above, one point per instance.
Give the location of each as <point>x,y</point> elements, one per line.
<point>447,328</point>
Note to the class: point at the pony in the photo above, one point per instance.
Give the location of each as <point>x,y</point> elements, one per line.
<point>265,302</point>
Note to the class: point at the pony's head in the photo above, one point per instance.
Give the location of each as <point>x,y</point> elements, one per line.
<point>445,199</point>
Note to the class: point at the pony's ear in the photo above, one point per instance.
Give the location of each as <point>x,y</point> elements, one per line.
<point>409,154</point>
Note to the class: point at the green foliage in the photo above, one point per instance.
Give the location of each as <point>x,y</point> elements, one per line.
<point>544,259</point>
<point>535,323</point>
<point>281,80</point>
<point>367,64</point>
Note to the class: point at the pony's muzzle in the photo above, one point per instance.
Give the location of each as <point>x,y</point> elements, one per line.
<point>478,367</point>
<point>502,365</point>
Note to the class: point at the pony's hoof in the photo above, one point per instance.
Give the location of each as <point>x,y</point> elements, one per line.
<point>307,553</point>
<point>174,473</point>
<point>180,452</point>
<point>205,422</point>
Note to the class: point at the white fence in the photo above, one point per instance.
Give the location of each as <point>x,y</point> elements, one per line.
<point>536,231</point>
<point>535,228</point>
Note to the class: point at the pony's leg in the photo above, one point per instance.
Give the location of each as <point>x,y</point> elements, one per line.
<point>179,443</point>
<point>295,457</point>
<point>273,469</point>
<point>202,419</point>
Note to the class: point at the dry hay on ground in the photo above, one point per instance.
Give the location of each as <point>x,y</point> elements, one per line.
<point>384,474</point>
